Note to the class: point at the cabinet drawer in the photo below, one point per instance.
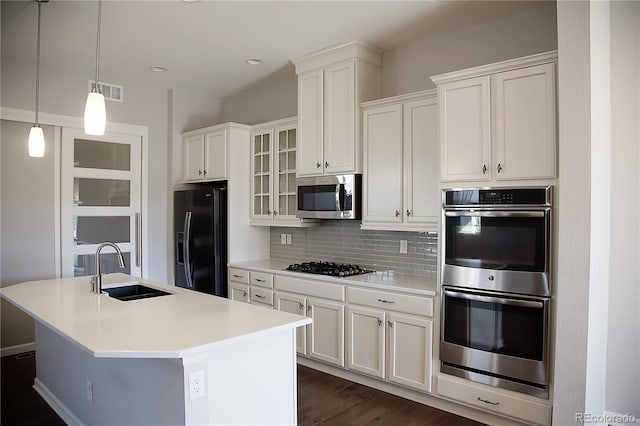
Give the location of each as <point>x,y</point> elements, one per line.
<point>239,275</point>
<point>261,279</point>
<point>261,296</point>
<point>321,289</point>
<point>497,401</point>
<point>415,305</point>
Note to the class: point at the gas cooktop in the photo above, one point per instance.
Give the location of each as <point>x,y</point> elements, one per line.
<point>328,268</point>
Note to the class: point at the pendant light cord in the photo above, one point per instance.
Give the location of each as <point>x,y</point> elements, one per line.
<point>38,65</point>
<point>97,86</point>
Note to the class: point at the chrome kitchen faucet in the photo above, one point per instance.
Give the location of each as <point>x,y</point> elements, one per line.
<point>96,280</point>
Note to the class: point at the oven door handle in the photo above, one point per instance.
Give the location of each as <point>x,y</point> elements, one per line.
<point>492,299</point>
<point>514,213</point>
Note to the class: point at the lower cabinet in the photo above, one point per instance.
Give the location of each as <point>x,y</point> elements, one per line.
<point>326,332</point>
<point>390,346</point>
<point>239,292</point>
<point>294,304</point>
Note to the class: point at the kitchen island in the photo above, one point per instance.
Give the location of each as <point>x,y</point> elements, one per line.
<point>181,358</point>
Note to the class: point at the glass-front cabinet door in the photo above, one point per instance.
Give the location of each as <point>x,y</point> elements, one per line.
<point>285,167</point>
<point>100,197</point>
<point>273,173</point>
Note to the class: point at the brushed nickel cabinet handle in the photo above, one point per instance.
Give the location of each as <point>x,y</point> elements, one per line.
<point>488,402</point>
<point>385,301</point>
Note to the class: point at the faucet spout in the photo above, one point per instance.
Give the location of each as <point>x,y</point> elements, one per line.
<point>96,280</point>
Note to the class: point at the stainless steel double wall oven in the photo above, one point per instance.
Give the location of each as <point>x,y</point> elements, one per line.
<point>495,301</point>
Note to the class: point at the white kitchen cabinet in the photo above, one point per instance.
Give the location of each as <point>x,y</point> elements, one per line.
<point>400,166</point>
<point>326,333</point>
<point>273,173</point>
<point>205,155</point>
<point>387,339</point>
<point>239,292</point>
<point>498,122</point>
<point>294,304</point>
<point>331,85</point>
<point>366,350</point>
<point>410,351</point>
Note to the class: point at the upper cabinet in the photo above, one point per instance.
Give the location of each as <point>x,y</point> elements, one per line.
<point>498,122</point>
<point>273,174</point>
<point>331,85</point>
<point>205,155</point>
<point>400,163</point>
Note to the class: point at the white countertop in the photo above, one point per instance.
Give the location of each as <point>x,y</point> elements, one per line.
<point>181,324</point>
<point>382,280</point>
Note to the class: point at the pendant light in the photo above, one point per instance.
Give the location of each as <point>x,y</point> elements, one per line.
<point>36,135</point>
<point>95,114</point>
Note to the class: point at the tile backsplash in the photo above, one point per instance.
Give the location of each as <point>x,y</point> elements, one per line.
<point>345,242</point>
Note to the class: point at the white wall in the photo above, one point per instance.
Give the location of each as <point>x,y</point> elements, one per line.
<point>623,341</point>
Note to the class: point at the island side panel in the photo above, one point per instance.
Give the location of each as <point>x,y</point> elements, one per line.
<point>253,381</point>
<point>124,390</point>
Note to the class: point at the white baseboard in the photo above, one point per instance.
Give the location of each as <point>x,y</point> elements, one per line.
<point>57,406</point>
<point>17,349</point>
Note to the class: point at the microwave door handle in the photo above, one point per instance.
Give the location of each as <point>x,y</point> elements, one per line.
<point>338,207</point>
<point>502,213</point>
<point>492,299</point>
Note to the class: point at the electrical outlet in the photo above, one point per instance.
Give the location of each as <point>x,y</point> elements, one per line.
<point>288,238</point>
<point>283,239</point>
<point>89,391</point>
<point>403,246</point>
<point>196,385</point>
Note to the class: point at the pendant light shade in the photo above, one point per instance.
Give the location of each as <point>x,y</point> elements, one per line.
<point>36,141</point>
<point>36,135</point>
<point>95,112</point>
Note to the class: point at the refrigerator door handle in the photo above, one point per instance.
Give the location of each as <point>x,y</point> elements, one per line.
<point>185,249</point>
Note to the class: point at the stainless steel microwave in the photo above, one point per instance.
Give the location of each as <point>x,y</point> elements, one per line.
<point>329,197</point>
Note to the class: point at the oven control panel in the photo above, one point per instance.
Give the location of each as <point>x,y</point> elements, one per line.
<point>525,196</point>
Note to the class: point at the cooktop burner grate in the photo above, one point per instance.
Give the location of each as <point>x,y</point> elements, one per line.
<point>329,268</point>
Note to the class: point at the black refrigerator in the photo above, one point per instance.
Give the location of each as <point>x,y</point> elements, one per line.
<point>200,232</point>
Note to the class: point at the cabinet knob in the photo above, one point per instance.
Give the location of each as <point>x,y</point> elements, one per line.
<point>245,293</point>
<point>199,172</point>
<point>484,169</point>
<point>204,172</point>
<point>275,212</point>
<point>499,167</point>
<point>301,306</point>
<point>326,165</point>
<point>379,322</point>
<point>408,213</point>
<point>308,308</point>
<point>318,165</point>
<point>397,213</point>
<point>390,324</point>
<point>268,212</point>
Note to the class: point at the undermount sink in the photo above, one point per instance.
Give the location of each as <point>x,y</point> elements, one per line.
<point>134,292</point>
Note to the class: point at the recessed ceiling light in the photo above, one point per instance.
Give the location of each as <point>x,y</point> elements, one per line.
<point>158,69</point>
<point>254,61</point>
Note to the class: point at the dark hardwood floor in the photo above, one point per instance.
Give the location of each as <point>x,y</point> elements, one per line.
<point>322,399</point>
<point>330,400</point>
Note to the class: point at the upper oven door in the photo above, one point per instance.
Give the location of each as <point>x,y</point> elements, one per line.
<point>498,250</point>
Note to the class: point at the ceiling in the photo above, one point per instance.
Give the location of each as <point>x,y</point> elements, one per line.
<point>204,45</point>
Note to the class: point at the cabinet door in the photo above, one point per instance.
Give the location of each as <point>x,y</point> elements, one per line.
<point>215,148</point>
<point>382,195</point>
<point>310,123</point>
<point>193,158</point>
<point>261,200</point>
<point>410,348</point>
<point>284,172</point>
<point>525,123</point>
<point>421,197</point>
<point>366,341</point>
<point>465,130</point>
<point>339,118</point>
<point>326,332</point>
<point>294,304</point>
<point>239,292</point>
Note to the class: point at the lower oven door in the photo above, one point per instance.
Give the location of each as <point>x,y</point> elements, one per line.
<point>496,339</point>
